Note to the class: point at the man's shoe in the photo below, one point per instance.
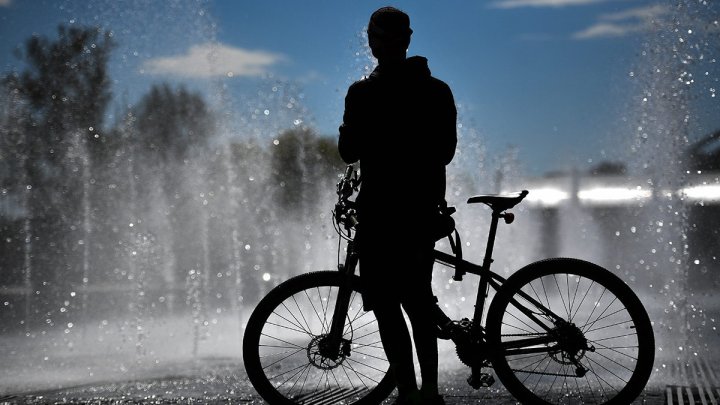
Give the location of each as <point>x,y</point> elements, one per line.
<point>409,399</point>
<point>433,400</point>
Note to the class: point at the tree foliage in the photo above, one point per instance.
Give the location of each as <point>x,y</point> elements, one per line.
<point>300,158</point>
<point>58,104</point>
<point>171,122</point>
<point>66,82</point>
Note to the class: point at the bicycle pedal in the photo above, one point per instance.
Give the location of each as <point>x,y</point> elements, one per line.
<point>483,380</point>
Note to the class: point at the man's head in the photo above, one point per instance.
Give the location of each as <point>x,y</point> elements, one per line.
<point>389,33</point>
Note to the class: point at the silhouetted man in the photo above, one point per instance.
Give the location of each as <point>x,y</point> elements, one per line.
<point>400,123</point>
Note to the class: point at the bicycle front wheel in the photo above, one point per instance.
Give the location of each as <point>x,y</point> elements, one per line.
<point>566,331</point>
<point>283,346</point>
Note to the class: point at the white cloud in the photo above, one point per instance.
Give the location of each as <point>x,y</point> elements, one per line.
<point>542,3</point>
<point>5,3</point>
<point>210,60</point>
<point>642,13</point>
<point>606,30</point>
<point>622,23</point>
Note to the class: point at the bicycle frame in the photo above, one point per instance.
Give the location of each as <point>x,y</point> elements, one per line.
<point>488,279</point>
<point>530,347</point>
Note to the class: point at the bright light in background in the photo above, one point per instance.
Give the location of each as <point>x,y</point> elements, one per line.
<point>613,194</point>
<point>547,197</point>
<point>552,197</point>
<point>702,193</point>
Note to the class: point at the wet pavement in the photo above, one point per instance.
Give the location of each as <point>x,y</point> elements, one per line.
<point>686,371</point>
<point>222,381</point>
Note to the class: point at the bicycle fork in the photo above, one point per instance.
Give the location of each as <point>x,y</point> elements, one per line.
<point>335,346</point>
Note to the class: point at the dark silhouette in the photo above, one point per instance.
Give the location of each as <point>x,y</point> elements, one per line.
<point>400,123</point>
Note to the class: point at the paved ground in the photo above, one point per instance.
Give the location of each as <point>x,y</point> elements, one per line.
<point>37,371</point>
<point>218,381</point>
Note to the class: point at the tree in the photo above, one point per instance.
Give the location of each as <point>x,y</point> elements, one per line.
<point>301,162</point>
<point>170,129</point>
<point>60,99</point>
<point>170,122</point>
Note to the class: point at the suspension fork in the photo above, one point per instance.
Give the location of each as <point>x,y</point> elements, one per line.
<point>343,301</point>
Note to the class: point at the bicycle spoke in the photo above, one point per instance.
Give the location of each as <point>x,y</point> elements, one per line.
<point>360,374</point>
<point>292,323</point>
<point>609,326</point>
<point>572,305</point>
<point>285,327</point>
<point>614,349</point>
<point>583,299</point>
<point>289,393</point>
<point>322,320</point>
<point>279,360</point>
<point>298,324</point>
<point>370,355</point>
<point>367,334</point>
<point>614,361</point>
<point>302,315</point>
<point>524,323</point>
<point>606,316</point>
<point>561,296</point>
<point>518,328</point>
<point>280,340</point>
<point>366,365</point>
<point>590,324</point>
<point>289,371</point>
<point>613,337</point>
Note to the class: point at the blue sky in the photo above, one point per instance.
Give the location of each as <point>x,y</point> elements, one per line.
<point>549,77</point>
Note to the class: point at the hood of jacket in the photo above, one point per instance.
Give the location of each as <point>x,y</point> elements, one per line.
<point>414,67</point>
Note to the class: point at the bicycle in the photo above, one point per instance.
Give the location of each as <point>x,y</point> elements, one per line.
<point>558,331</point>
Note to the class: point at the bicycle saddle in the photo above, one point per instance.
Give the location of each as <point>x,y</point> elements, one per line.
<point>499,202</point>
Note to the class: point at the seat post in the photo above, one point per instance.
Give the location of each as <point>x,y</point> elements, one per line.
<point>491,240</point>
<point>483,286</point>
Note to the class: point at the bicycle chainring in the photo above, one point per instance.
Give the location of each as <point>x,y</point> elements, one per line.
<point>471,352</point>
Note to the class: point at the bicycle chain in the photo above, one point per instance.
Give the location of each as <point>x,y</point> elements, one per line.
<point>543,373</point>
<point>524,334</point>
<point>535,372</point>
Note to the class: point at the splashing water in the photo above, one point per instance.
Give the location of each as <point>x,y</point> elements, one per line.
<point>175,256</point>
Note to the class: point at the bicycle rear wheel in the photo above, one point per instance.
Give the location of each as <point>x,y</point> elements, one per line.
<point>566,331</point>
<point>283,338</point>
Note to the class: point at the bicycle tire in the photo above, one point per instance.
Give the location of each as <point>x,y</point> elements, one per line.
<point>618,338</point>
<point>302,330</point>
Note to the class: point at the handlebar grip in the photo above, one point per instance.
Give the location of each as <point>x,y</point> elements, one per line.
<point>348,172</point>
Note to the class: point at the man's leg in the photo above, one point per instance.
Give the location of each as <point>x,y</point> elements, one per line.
<point>424,335</point>
<point>419,306</point>
<point>398,347</point>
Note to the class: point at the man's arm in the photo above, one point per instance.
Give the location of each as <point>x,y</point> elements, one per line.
<point>349,143</point>
<point>447,130</point>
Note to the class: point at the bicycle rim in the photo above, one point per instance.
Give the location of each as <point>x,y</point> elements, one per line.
<point>602,354</point>
<point>281,346</point>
